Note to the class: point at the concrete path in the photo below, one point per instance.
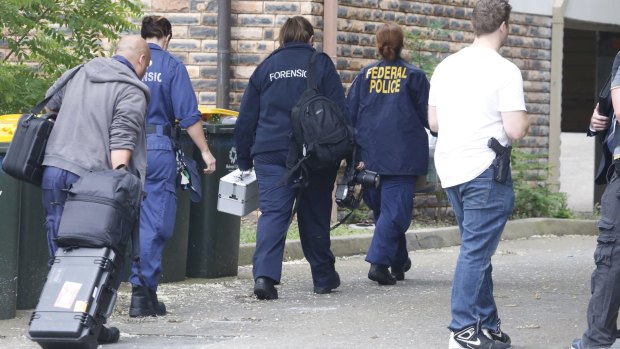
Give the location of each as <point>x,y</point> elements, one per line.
<point>541,287</point>
<point>577,170</point>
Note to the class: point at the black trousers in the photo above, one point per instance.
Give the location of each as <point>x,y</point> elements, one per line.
<point>605,302</point>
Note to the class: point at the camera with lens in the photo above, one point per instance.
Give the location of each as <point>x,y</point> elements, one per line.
<point>367,179</point>
<point>349,189</point>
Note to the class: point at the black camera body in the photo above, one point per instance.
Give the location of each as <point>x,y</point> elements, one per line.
<point>345,190</point>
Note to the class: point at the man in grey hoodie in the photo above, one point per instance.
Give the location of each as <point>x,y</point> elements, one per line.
<point>100,125</point>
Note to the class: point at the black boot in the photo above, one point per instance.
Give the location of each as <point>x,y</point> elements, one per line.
<point>381,274</point>
<point>399,273</point>
<point>160,307</point>
<point>108,335</point>
<point>264,288</point>
<point>334,282</point>
<point>141,303</point>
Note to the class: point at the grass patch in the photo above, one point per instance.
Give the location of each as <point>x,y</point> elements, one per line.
<point>248,228</point>
<point>248,232</point>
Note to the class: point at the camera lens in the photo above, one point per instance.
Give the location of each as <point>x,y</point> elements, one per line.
<point>368,179</point>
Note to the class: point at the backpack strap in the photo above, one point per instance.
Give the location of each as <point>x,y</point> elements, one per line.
<point>311,73</point>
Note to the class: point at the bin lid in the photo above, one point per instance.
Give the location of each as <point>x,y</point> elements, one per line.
<point>8,123</point>
<point>209,112</point>
<point>219,128</point>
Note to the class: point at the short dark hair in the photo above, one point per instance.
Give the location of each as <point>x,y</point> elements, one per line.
<point>155,26</point>
<point>390,39</point>
<point>295,29</point>
<point>488,15</point>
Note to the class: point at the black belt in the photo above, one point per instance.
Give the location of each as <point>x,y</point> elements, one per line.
<point>164,130</point>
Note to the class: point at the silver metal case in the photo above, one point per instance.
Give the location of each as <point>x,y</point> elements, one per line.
<point>238,193</point>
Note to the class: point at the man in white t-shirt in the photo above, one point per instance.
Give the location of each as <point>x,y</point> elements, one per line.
<point>475,95</point>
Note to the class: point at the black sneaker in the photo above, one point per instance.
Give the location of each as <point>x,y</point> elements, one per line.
<point>471,338</point>
<point>497,335</point>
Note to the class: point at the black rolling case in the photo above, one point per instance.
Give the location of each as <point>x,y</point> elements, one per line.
<point>78,296</point>
<point>99,217</point>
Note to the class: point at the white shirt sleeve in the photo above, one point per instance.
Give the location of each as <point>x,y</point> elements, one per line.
<point>432,93</point>
<point>511,97</point>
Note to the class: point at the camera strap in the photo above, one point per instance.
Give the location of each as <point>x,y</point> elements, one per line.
<point>300,183</point>
<point>341,221</point>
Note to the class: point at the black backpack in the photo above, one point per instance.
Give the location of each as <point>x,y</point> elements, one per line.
<point>322,136</point>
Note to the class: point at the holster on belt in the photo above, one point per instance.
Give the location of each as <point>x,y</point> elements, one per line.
<point>501,163</point>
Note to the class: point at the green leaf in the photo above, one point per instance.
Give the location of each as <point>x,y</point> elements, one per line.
<point>58,34</point>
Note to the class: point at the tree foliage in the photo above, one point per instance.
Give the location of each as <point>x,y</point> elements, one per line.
<point>43,38</point>
<point>423,51</point>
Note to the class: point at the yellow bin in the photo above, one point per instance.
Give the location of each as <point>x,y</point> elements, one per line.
<point>8,123</point>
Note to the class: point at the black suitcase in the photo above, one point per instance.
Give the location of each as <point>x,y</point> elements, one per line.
<point>78,296</point>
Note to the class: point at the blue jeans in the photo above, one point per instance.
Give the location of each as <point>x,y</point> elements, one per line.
<point>482,207</point>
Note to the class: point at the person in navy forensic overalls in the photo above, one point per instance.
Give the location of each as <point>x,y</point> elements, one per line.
<point>172,98</point>
<point>387,104</point>
<point>262,140</point>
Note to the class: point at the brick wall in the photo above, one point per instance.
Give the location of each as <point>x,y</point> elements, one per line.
<point>528,46</point>
<point>254,34</point>
<point>255,26</point>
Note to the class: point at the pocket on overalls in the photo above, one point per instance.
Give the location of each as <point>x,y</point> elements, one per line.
<point>605,244</point>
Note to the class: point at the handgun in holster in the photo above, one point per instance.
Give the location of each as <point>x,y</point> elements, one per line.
<point>501,163</point>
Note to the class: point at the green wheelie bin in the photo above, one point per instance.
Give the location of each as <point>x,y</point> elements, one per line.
<point>29,219</point>
<point>24,239</point>
<point>10,197</point>
<point>213,246</point>
<point>33,251</point>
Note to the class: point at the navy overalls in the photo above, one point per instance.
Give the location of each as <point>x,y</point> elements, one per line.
<point>387,105</point>
<point>172,97</point>
<point>262,139</point>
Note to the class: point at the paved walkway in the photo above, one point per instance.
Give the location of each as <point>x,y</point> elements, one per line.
<point>577,170</point>
<point>541,287</point>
